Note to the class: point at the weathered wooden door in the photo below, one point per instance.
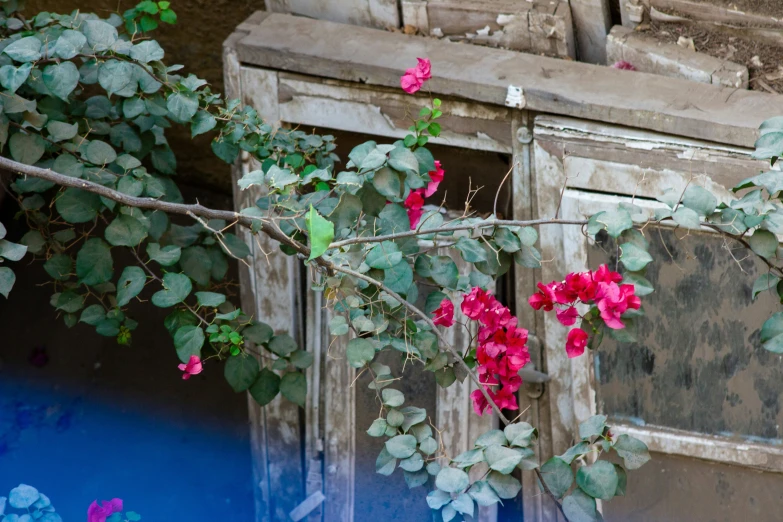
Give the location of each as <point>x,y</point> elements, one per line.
<point>695,385</point>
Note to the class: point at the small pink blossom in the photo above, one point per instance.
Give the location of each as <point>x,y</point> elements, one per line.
<point>544,298</point>
<point>414,203</point>
<point>480,404</point>
<point>623,65</point>
<point>576,342</point>
<point>415,77</point>
<point>96,513</point>
<point>444,315</point>
<point>193,367</point>
<point>474,303</point>
<point>436,176</point>
<point>568,316</point>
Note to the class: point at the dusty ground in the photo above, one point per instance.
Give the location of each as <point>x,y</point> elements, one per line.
<point>768,7</point>
<point>763,60</point>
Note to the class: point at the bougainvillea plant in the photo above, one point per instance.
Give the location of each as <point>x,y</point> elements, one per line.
<point>86,105</point>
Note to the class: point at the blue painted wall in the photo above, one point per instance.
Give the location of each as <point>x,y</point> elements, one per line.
<point>82,418</point>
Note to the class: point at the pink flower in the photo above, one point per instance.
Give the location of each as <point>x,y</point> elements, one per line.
<point>505,399</point>
<point>576,342</point>
<point>576,286</point>
<point>604,275</point>
<point>474,303</point>
<point>480,404</point>
<point>623,65</point>
<point>544,298</point>
<point>444,315</point>
<point>436,176</point>
<point>193,367</point>
<point>96,513</point>
<point>612,304</point>
<point>414,203</point>
<point>415,77</point>
<point>568,316</point>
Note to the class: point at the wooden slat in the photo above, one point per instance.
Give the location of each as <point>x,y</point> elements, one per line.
<point>314,335</point>
<point>369,13</point>
<point>454,410</point>
<point>712,13</point>
<point>592,21</point>
<point>382,112</point>
<point>339,429</point>
<point>640,100</point>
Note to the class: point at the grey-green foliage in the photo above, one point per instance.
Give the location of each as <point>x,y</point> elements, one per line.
<point>91,97</point>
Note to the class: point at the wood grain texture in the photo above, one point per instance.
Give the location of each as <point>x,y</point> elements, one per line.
<point>640,100</point>
<point>592,22</point>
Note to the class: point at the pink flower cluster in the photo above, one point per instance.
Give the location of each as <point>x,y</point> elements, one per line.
<point>193,367</point>
<point>501,352</point>
<point>415,77</point>
<point>444,314</point>
<point>600,288</point>
<point>414,203</point>
<point>96,513</point>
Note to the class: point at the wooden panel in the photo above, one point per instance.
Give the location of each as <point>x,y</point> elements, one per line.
<point>339,428</point>
<point>369,13</point>
<point>644,101</point>
<point>677,489</point>
<point>383,112</point>
<point>712,13</point>
<point>592,22</point>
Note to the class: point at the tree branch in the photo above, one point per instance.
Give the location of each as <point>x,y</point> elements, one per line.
<point>549,492</point>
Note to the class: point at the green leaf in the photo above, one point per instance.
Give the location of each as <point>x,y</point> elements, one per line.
<point>100,35</point>
<point>437,499</point>
<point>384,255</point>
<point>202,122</point>
<point>61,79</point>
<point>278,178</point>
<point>580,507</point>
<point>94,264</point>
<point>69,44</point>
<point>506,486</point>
<point>528,257</point>
<point>125,230</point>
<point>401,446</point>
<point>258,333</point>
<point>78,206</point>
<point>428,446</point>
<point>469,458</point>
<point>321,233</point>
<point>633,451</point>
<point>131,283</point>
<point>764,282</point>
<point>687,218</point>
<point>399,278</point>
<point>164,256</point>
<point>26,148</point>
<point>575,451</point>
<point>25,49</point>
<point>147,51</point>
<point>385,464</point>
<point>444,271</point>
<point>241,371</point>
<point>622,480</point>
<point>599,480</point>
<point>491,437</point>
<point>70,302</point>
<point>93,315</point>
<point>210,299</point>
<point>452,480</point>
<point>483,494</point>
<point>502,459</point>
<point>176,288</point>
<point>471,250</point>
<point>528,236</point>
<point>416,479</point>
<point>378,428</point>
<point>11,78</point>
<point>59,266</point>
<point>182,105</point>
<point>702,201</point>
<point>99,153</point>
<point>282,345</point>
<point>392,398</point>
<point>118,77</point>
<point>301,359</point>
<point>266,387</point>
<point>520,434</point>
<point>634,258</point>
<point>197,264</point>
<point>7,280</point>
<point>463,503</point>
<point>402,159</point>
<point>12,251</point>
<point>641,285</point>
<point>507,240</point>
<point>387,182</point>
<point>592,427</point>
<point>188,341</point>
<point>59,131</point>
<point>293,386</point>
<point>557,476</point>
<point>359,352</point>
<point>764,243</point>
